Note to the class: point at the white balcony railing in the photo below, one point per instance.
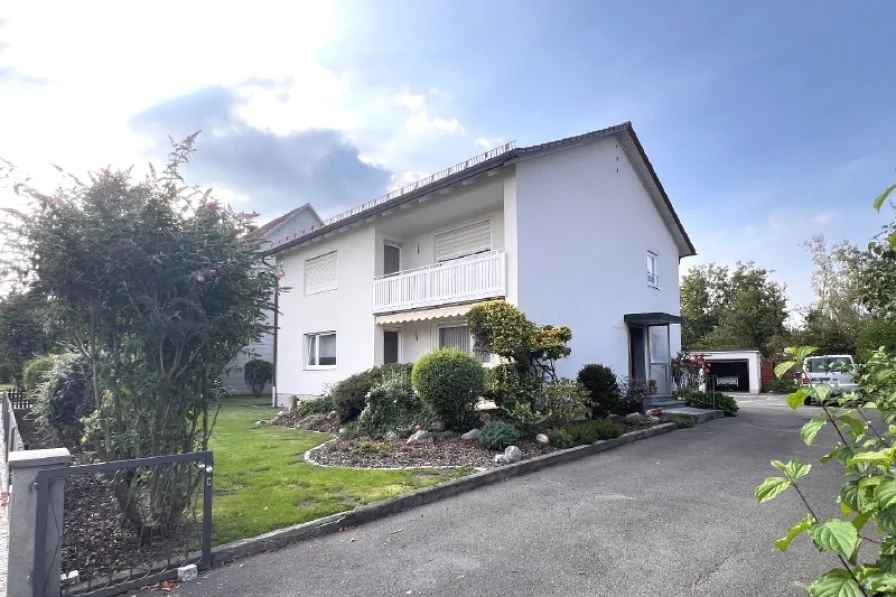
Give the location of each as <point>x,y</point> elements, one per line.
<point>473,278</point>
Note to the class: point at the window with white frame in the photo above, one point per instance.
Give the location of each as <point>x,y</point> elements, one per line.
<point>653,278</point>
<point>321,273</point>
<point>320,350</point>
<point>460,338</point>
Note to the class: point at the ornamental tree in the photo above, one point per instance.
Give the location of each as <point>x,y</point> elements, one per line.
<point>149,281</point>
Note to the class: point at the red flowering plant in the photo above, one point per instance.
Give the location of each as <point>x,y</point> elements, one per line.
<point>688,369</point>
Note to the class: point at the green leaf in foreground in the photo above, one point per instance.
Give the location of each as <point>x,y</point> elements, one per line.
<point>836,583</point>
<point>849,495</point>
<point>796,469</point>
<point>793,532</point>
<point>835,536</point>
<point>797,399</point>
<point>885,494</point>
<point>878,203</point>
<point>782,368</point>
<point>770,488</point>
<point>810,430</point>
<point>886,521</point>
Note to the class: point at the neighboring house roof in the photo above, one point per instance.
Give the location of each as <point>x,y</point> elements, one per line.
<point>262,231</point>
<point>505,154</point>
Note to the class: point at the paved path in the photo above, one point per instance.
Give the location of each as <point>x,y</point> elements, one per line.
<point>672,516</point>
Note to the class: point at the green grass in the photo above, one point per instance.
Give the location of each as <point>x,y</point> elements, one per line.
<point>263,483</point>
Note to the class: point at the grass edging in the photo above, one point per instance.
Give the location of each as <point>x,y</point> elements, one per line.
<point>370,512</point>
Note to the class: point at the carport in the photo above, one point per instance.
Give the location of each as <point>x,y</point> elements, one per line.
<point>735,370</point>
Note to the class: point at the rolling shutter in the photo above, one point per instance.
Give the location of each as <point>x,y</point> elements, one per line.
<point>465,240</point>
<point>321,273</point>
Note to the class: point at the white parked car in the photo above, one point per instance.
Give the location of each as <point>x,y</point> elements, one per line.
<point>837,370</point>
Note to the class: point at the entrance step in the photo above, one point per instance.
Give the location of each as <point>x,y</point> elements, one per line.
<point>699,415</point>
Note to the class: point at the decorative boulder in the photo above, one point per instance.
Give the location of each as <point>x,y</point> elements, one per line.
<point>332,416</point>
<point>420,438</point>
<point>636,418</point>
<point>471,435</point>
<point>501,460</point>
<point>390,436</point>
<point>541,438</point>
<point>513,454</point>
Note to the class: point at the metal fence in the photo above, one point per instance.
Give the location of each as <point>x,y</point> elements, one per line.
<point>18,399</point>
<point>11,434</point>
<point>125,524</point>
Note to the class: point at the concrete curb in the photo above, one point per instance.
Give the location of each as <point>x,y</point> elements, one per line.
<point>364,514</point>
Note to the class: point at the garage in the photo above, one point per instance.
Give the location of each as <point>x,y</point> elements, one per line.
<point>735,370</point>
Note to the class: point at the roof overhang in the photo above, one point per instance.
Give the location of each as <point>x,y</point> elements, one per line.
<point>652,318</point>
<point>451,312</point>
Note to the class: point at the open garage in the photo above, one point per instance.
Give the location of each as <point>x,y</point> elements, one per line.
<point>735,370</point>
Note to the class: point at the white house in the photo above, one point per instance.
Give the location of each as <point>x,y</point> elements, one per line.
<point>289,223</point>
<point>563,230</point>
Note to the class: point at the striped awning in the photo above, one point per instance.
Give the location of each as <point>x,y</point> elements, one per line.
<point>424,314</point>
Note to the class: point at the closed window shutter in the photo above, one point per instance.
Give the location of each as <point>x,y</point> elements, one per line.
<point>466,240</point>
<point>321,273</point>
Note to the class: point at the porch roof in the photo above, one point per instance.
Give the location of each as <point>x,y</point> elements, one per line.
<point>652,318</point>
<point>424,314</point>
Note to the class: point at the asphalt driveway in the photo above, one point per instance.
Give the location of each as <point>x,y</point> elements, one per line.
<point>673,515</point>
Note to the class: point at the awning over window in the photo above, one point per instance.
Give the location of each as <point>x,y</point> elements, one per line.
<point>652,318</point>
<point>424,314</point>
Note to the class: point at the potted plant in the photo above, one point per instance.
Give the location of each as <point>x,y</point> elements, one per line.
<point>652,385</point>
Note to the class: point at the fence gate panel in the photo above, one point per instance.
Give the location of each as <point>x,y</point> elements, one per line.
<point>125,524</point>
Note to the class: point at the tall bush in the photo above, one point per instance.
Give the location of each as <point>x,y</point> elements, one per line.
<point>151,283</point>
<point>64,399</point>
<point>877,333</point>
<point>24,333</point>
<point>35,371</point>
<point>600,381</point>
<point>451,382</point>
<point>257,374</point>
<point>392,405</point>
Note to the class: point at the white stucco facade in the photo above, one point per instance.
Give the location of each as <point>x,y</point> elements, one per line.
<point>571,229</point>
<point>585,224</point>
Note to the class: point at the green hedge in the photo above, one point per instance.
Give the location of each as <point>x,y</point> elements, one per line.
<point>713,400</point>
<point>877,333</point>
<point>349,396</point>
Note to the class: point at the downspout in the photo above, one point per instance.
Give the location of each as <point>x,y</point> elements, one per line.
<point>276,335</point>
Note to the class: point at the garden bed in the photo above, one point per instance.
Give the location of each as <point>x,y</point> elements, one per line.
<point>447,450</point>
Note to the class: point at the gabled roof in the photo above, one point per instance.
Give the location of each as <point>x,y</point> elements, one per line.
<point>500,156</point>
<point>262,231</point>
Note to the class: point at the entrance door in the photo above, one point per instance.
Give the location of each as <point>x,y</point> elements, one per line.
<point>638,356</point>
<point>391,340</point>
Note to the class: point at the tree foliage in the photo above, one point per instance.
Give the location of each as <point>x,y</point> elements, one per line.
<point>726,308</point>
<point>24,333</point>
<point>258,373</point>
<point>148,280</point>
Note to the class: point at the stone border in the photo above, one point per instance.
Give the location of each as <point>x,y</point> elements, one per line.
<point>370,512</point>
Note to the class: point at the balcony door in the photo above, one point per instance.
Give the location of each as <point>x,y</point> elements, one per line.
<point>391,258</point>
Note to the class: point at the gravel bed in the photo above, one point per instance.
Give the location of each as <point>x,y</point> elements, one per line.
<point>444,451</point>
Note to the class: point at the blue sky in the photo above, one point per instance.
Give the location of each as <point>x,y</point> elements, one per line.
<point>767,122</point>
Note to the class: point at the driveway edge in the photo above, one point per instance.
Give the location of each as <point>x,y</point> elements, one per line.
<point>370,512</point>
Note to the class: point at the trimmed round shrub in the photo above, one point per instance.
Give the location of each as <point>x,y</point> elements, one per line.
<point>600,381</point>
<point>35,371</point>
<point>66,397</point>
<point>588,432</point>
<point>451,382</point>
<point>257,374</point>
<point>497,436</point>
<point>392,405</point>
<point>350,395</point>
<point>560,439</point>
<point>877,333</point>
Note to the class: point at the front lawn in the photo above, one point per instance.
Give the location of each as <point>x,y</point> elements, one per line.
<point>263,483</point>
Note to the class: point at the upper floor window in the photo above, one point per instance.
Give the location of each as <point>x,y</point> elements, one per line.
<point>468,239</point>
<point>653,278</point>
<point>321,273</point>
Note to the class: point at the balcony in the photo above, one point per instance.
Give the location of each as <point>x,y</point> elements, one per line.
<point>462,280</point>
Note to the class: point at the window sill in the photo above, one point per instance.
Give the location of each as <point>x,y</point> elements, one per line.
<point>319,367</point>
<point>654,286</point>
<point>321,291</point>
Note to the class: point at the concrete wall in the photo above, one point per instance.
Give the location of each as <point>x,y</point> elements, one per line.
<point>347,310</point>
<point>584,225</point>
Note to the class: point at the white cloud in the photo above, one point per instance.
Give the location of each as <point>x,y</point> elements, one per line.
<point>487,143</point>
<point>823,217</point>
<point>406,178</point>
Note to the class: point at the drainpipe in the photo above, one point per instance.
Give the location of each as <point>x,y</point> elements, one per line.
<point>276,336</point>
